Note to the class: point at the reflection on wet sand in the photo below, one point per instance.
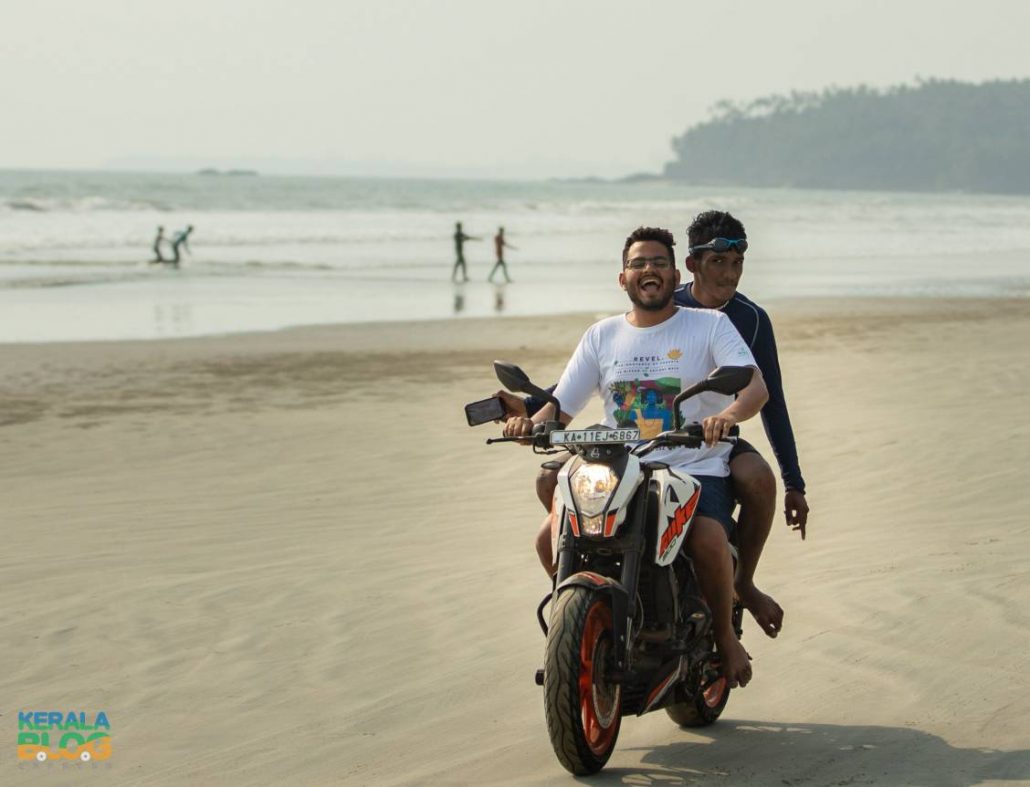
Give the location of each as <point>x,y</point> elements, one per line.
<point>173,319</point>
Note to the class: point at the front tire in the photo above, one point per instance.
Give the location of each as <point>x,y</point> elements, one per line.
<point>583,709</point>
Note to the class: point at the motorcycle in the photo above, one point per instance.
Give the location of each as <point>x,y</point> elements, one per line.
<point>629,631</point>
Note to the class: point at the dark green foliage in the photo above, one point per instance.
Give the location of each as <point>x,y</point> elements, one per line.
<point>934,135</point>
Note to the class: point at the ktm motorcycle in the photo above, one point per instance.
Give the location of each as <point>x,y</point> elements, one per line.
<point>629,631</point>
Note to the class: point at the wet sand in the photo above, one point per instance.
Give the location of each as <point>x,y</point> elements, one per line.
<point>284,557</point>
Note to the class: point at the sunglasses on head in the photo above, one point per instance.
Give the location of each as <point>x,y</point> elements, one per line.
<point>721,245</point>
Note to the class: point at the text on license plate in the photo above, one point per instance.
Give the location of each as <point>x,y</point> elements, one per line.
<point>594,436</point>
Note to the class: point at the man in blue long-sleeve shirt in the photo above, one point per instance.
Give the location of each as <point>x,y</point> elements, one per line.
<point>716,260</point>
<point>717,245</point>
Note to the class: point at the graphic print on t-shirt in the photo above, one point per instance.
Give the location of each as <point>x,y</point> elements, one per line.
<point>645,400</point>
<point>645,404</point>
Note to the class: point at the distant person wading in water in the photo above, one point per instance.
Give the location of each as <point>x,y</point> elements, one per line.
<point>459,250</point>
<point>499,246</point>
<point>157,245</point>
<point>180,241</point>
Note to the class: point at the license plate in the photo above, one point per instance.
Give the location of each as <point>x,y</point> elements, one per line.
<point>595,436</point>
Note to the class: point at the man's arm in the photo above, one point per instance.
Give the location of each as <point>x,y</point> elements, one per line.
<point>514,405</point>
<point>728,348</point>
<point>578,382</point>
<point>776,421</point>
<point>523,427</point>
<point>533,403</point>
<point>747,405</point>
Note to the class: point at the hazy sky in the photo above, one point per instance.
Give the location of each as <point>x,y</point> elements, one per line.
<point>521,88</point>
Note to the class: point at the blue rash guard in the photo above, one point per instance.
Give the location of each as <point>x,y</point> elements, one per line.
<point>753,324</point>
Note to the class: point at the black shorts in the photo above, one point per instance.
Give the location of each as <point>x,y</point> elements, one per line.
<point>716,501</point>
<point>742,446</point>
<point>558,460</point>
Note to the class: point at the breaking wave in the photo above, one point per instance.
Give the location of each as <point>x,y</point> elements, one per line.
<point>86,204</point>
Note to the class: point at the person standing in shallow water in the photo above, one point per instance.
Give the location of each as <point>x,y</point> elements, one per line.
<point>459,251</point>
<point>157,245</point>
<point>179,241</point>
<point>500,244</point>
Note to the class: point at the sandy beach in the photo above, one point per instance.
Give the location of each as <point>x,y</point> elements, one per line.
<point>284,557</point>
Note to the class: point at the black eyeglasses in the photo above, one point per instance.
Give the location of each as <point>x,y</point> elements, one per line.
<point>658,263</point>
<point>721,244</point>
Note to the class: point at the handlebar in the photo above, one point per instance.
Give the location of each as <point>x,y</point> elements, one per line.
<point>689,436</point>
<point>670,439</point>
<point>540,439</point>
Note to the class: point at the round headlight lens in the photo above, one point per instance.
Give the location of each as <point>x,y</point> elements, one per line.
<point>592,485</point>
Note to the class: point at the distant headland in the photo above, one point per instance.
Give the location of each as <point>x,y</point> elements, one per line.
<point>935,135</point>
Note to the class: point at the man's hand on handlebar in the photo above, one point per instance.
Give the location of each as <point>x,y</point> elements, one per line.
<point>717,426</point>
<point>519,426</point>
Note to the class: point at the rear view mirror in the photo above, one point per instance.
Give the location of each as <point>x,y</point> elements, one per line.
<point>725,380</point>
<point>511,376</point>
<point>729,379</point>
<point>514,379</point>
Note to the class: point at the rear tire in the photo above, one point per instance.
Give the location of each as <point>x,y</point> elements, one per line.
<point>704,707</point>
<point>584,710</point>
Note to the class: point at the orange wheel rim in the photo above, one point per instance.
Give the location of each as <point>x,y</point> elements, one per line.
<point>600,702</point>
<point>713,694</point>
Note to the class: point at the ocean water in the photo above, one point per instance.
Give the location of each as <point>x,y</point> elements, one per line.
<point>274,252</point>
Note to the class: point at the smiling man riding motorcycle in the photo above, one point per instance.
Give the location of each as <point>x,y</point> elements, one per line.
<point>718,242</point>
<point>661,348</point>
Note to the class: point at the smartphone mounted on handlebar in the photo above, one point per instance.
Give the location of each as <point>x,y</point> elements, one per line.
<point>484,411</point>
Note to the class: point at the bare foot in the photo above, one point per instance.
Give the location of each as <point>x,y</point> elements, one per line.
<point>734,663</point>
<point>764,609</point>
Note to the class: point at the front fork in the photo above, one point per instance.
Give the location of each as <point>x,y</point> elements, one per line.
<point>624,596</point>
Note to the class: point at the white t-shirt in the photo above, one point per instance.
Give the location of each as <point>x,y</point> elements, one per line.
<point>639,371</point>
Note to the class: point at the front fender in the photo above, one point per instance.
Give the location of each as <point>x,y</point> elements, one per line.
<point>621,623</point>
<point>592,580</point>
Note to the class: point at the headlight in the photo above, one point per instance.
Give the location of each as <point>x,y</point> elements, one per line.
<point>592,485</point>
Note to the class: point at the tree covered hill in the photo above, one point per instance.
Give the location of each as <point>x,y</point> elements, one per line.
<point>934,135</point>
